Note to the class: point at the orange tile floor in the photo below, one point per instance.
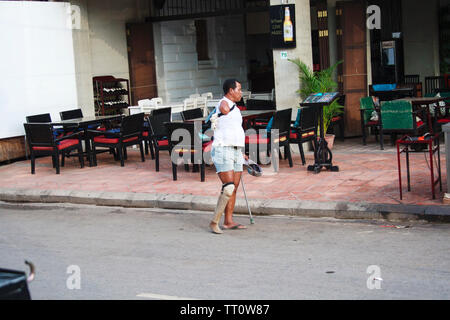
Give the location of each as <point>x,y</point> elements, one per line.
<point>367,174</point>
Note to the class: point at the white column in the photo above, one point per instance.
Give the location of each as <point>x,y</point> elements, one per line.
<point>285,72</point>
<point>82,56</point>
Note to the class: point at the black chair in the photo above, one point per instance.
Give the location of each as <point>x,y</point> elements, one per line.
<point>434,83</point>
<point>39,118</point>
<point>45,118</point>
<point>305,130</point>
<point>195,114</point>
<point>156,112</point>
<point>411,79</point>
<point>282,123</point>
<point>129,134</point>
<point>146,130</point>
<point>163,115</point>
<point>157,137</point>
<point>192,114</point>
<point>76,114</point>
<point>184,142</point>
<point>338,121</point>
<point>71,114</point>
<point>258,104</point>
<point>42,141</point>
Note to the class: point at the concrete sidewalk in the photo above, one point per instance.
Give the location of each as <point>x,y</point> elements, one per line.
<point>366,187</point>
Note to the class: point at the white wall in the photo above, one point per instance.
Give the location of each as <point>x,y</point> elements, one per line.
<point>178,70</point>
<point>37,63</point>
<point>108,44</point>
<point>421,37</point>
<point>100,43</point>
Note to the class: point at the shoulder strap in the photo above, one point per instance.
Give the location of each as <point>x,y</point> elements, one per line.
<point>221,114</point>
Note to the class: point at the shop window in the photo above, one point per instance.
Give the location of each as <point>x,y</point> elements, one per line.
<point>202,40</point>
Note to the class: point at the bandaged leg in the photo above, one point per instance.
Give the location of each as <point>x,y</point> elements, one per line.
<point>227,192</point>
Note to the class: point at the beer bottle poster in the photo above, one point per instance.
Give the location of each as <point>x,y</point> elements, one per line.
<point>282,26</point>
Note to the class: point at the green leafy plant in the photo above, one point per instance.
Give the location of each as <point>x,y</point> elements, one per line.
<point>319,81</point>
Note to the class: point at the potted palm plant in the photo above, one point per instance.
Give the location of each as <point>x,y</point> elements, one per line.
<point>319,81</point>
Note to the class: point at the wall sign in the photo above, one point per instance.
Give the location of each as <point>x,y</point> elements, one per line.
<point>282,26</point>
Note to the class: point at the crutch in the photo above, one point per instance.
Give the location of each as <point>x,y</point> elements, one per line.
<point>248,207</point>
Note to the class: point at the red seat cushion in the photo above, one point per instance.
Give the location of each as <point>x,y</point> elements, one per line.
<point>294,135</point>
<point>207,146</point>
<point>372,123</point>
<point>103,139</point>
<point>163,143</point>
<point>419,123</point>
<point>64,144</point>
<point>336,119</point>
<point>256,139</point>
<point>443,121</point>
<point>260,139</point>
<point>145,133</point>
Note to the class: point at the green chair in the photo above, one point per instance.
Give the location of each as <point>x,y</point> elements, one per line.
<point>367,107</point>
<point>398,117</point>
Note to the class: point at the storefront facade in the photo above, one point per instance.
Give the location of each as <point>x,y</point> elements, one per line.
<point>173,48</point>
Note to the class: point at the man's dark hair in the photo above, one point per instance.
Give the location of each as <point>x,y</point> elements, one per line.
<point>229,84</point>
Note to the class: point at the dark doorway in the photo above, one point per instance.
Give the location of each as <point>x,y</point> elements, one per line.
<point>141,60</point>
<point>386,44</point>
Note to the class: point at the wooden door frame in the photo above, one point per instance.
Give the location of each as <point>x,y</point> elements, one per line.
<point>130,65</point>
<point>344,49</point>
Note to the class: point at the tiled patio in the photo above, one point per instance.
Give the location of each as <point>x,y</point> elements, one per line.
<point>366,174</point>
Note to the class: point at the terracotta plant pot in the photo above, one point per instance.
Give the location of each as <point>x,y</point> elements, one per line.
<point>329,138</point>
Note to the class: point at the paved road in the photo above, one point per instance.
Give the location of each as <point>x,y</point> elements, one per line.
<point>87,252</point>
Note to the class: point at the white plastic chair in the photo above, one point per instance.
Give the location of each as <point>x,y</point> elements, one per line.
<point>261,96</point>
<point>246,95</point>
<point>201,103</point>
<point>157,101</point>
<point>144,102</point>
<point>146,105</point>
<point>134,110</point>
<point>189,103</point>
<point>207,95</point>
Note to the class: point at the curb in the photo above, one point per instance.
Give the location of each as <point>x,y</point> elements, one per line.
<point>310,209</point>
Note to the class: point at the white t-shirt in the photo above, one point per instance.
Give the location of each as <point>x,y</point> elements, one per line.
<point>229,131</point>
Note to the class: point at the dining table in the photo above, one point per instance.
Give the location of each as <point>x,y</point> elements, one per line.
<point>85,123</point>
<point>395,94</point>
<point>425,103</point>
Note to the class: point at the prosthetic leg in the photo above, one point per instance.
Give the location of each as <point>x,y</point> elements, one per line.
<point>227,192</point>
